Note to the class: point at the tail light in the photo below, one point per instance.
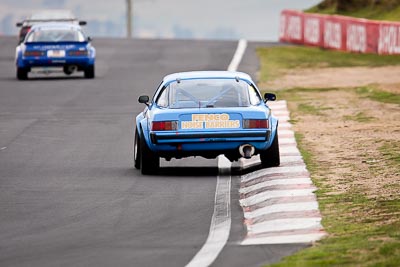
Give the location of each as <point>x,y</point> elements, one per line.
<point>78,53</point>
<point>25,30</point>
<point>34,53</point>
<point>255,124</point>
<point>164,126</point>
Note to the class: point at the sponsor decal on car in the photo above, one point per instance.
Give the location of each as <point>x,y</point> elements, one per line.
<point>210,121</point>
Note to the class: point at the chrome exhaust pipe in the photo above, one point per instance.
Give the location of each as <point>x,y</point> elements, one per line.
<point>247,151</point>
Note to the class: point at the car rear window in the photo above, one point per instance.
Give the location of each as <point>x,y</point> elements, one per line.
<point>208,93</point>
<point>56,35</point>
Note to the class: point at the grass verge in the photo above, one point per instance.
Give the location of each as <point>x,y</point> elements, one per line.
<point>374,93</point>
<point>376,10</point>
<point>276,61</point>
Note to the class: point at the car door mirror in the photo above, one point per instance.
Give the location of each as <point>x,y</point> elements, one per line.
<point>269,97</point>
<point>19,24</point>
<point>144,99</point>
<point>82,23</point>
<point>89,39</point>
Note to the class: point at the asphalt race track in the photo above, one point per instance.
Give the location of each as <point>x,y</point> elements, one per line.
<point>69,194</point>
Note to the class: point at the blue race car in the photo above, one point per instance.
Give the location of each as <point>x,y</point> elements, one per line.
<point>205,113</point>
<point>59,45</point>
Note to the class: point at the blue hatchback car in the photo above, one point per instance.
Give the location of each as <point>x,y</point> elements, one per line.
<point>60,45</point>
<point>205,113</point>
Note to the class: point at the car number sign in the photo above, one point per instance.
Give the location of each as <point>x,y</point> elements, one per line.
<point>56,53</point>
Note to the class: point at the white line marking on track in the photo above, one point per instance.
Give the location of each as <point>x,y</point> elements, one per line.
<point>283,239</point>
<point>221,219</point>
<point>284,119</point>
<point>287,207</point>
<point>279,181</point>
<point>220,225</point>
<point>241,48</point>
<point>285,141</point>
<point>256,199</point>
<point>285,224</point>
<point>285,132</point>
<point>289,150</point>
<point>224,165</point>
<point>280,170</point>
<point>290,159</point>
<point>277,105</point>
<point>279,113</point>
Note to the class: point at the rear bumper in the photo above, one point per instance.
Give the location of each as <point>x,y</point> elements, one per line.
<point>209,144</point>
<point>55,62</point>
<point>207,149</point>
<point>176,138</point>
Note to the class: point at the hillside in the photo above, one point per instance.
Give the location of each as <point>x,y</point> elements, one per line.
<point>370,9</point>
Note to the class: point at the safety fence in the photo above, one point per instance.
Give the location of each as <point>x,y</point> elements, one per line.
<point>340,32</point>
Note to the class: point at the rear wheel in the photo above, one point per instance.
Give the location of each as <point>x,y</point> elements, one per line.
<point>22,73</point>
<point>89,72</point>
<point>149,161</point>
<point>136,150</point>
<point>270,157</point>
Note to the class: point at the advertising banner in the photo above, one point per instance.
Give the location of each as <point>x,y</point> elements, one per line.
<point>340,32</point>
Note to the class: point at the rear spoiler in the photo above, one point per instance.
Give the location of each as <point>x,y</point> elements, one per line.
<point>20,24</point>
<point>56,43</point>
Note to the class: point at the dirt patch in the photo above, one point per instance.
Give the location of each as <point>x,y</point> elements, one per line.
<point>387,77</point>
<point>356,139</point>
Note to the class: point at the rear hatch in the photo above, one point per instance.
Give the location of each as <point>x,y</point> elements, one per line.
<point>210,125</point>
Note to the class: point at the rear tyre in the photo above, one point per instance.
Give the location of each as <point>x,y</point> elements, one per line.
<point>136,150</point>
<point>22,73</point>
<point>270,157</point>
<point>149,161</point>
<point>89,72</point>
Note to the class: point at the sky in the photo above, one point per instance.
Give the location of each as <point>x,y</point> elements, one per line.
<point>256,20</point>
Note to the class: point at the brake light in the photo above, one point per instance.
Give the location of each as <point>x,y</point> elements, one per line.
<point>252,124</point>
<point>78,53</point>
<point>34,53</point>
<point>164,126</point>
<point>25,30</point>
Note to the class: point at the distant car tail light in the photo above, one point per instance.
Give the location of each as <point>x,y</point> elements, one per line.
<point>164,126</point>
<point>34,53</point>
<point>78,53</point>
<point>254,124</point>
<point>25,30</point>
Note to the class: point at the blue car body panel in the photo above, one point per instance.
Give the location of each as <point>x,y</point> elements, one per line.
<point>205,141</point>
